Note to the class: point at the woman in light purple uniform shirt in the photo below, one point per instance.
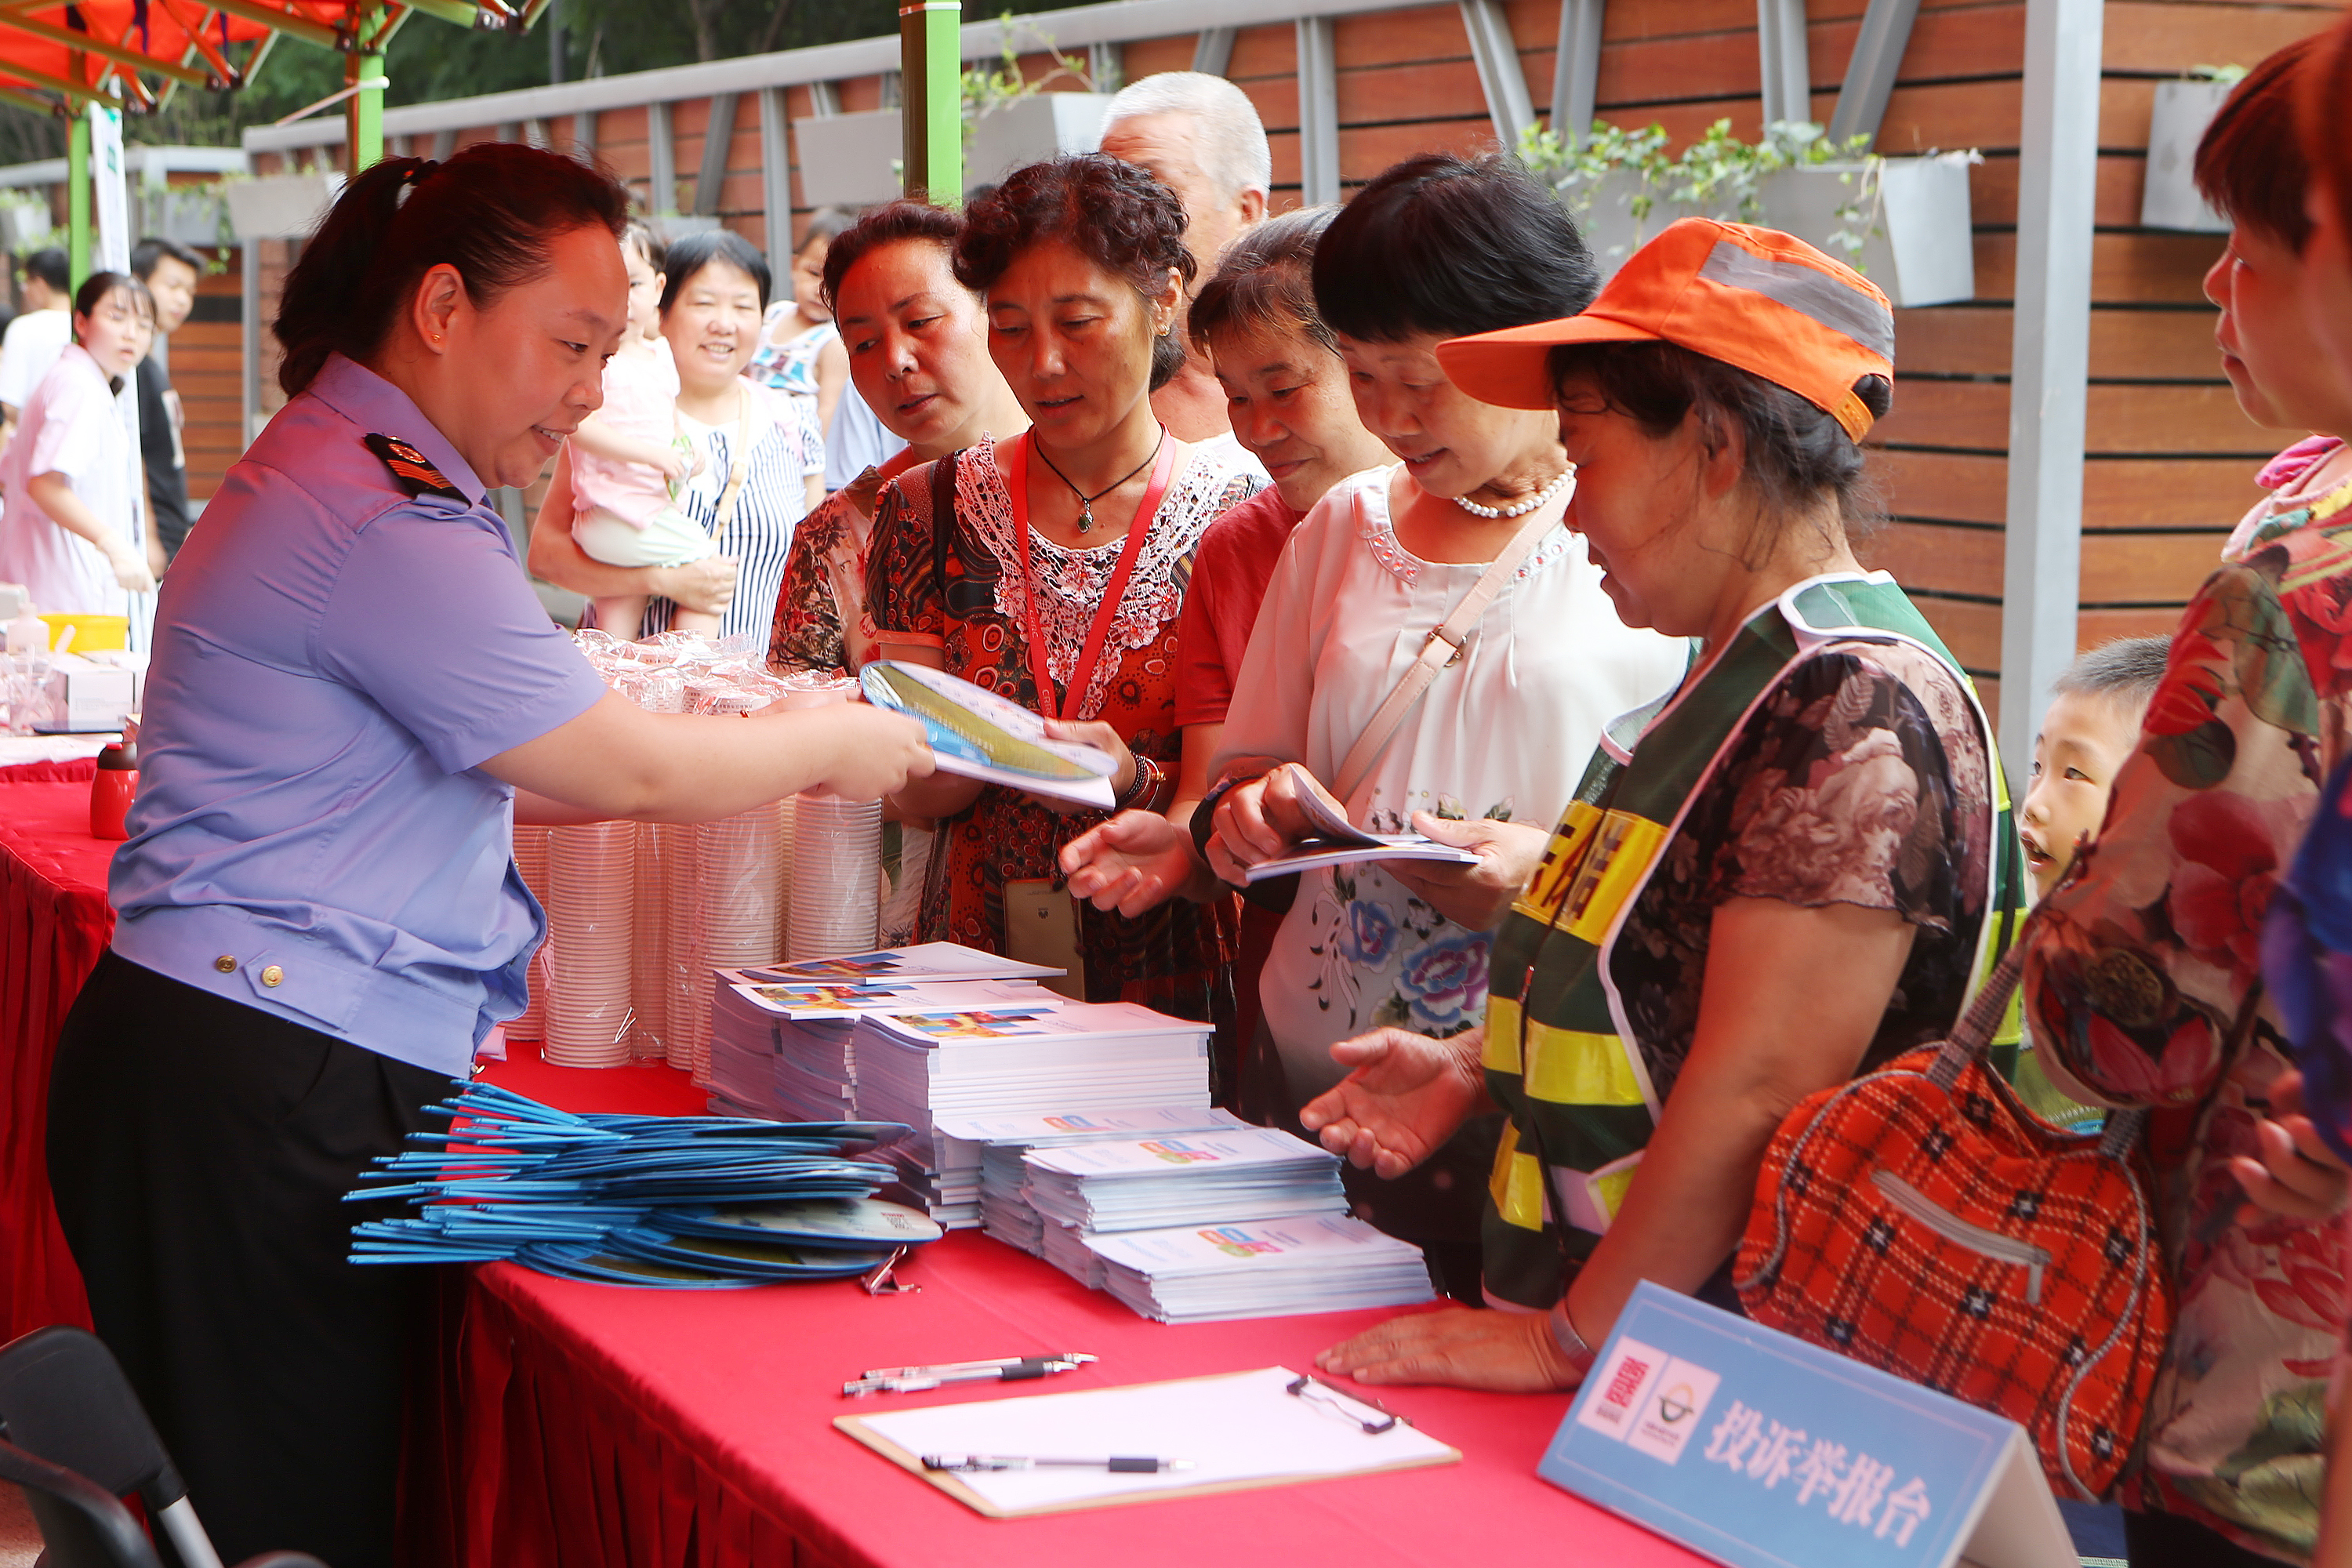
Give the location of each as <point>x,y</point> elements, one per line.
<point>353,696</point>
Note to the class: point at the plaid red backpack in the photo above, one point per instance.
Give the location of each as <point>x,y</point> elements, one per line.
<point>1922,1220</point>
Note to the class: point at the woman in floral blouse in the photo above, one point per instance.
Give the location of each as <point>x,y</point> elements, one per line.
<point>1051,568</point>
<point>2144,976</point>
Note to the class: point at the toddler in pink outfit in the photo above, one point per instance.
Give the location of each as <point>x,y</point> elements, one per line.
<point>628,460</point>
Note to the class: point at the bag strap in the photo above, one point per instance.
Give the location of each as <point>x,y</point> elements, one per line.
<point>1440,651</point>
<point>739,465</point>
<point>1973,1038</point>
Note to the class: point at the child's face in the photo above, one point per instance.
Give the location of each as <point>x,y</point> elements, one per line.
<point>808,280</point>
<point>645,293</point>
<point>2083,742</point>
<point>2265,338</point>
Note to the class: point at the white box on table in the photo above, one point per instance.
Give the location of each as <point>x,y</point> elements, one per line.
<point>86,695</point>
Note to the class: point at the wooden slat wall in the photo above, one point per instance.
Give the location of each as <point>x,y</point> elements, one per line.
<point>208,360</point>
<point>2172,458</point>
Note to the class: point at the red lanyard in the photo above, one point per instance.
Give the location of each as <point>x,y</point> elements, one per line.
<point>1146,514</point>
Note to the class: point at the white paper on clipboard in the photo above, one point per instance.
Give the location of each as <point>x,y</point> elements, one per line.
<point>1239,1429</point>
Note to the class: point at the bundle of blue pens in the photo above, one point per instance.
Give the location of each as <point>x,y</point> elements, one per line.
<point>685,1202</point>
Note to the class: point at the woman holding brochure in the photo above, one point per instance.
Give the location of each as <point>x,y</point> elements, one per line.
<point>1384,564</point>
<point>354,695</point>
<point>1050,569</point>
<point>1781,876</point>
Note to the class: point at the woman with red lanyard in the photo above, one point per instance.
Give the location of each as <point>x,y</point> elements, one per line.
<point>1052,568</point>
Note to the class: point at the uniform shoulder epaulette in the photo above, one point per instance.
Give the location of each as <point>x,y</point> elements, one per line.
<point>412,468</point>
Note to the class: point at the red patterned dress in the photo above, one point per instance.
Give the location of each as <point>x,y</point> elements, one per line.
<point>944,565</point>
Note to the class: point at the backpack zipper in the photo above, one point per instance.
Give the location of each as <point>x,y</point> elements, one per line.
<point>1961,1232</point>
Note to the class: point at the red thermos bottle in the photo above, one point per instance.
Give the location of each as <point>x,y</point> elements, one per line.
<point>111,790</point>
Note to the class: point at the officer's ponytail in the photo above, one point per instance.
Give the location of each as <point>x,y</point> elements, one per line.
<point>490,212</point>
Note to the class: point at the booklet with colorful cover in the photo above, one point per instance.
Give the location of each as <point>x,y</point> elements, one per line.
<point>978,734</point>
<point>1338,842</point>
<point>923,961</point>
<point>843,1000</point>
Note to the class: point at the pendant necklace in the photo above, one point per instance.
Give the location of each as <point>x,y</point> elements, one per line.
<point>1085,501</point>
<point>1525,507</point>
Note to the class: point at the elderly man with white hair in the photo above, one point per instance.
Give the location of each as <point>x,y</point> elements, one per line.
<point>1200,136</point>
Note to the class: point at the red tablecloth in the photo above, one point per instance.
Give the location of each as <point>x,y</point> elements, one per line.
<point>606,1426</point>
<point>593,1426</point>
<point>598,1426</point>
<point>54,922</point>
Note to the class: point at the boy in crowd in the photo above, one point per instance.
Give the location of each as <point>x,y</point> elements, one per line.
<point>2092,723</point>
<point>170,270</point>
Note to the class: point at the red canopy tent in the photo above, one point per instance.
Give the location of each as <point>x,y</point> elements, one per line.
<point>133,55</point>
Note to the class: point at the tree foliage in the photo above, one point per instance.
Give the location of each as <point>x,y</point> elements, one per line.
<point>431,61</point>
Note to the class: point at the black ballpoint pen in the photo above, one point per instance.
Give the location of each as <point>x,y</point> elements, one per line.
<point>940,1377</point>
<point>1140,1464</point>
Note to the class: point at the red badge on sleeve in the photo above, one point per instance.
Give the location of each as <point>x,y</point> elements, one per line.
<point>414,472</point>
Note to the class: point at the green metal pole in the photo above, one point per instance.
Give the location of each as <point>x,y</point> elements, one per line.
<point>363,110</point>
<point>77,225</point>
<point>930,75</point>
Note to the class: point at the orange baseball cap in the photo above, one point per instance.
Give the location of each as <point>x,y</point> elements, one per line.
<point>1754,297</point>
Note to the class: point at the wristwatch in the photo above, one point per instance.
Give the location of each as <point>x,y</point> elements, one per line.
<point>1571,1344</point>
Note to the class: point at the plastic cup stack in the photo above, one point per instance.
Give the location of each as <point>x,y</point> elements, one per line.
<point>531,863</point>
<point>592,873</point>
<point>681,940</point>
<point>737,908</point>
<point>836,876</point>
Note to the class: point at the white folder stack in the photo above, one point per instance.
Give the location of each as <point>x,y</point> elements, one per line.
<point>1260,1268</point>
<point>992,1146</point>
<point>924,1068</point>
<point>1205,1178</point>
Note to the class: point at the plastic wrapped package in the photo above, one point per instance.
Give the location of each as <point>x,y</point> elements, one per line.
<point>836,876</point>
<point>592,923</point>
<point>530,864</point>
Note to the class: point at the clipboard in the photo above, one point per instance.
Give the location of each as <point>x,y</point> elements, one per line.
<point>1233,1412</point>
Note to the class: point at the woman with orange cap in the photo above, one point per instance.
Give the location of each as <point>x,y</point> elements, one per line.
<point>1787,871</point>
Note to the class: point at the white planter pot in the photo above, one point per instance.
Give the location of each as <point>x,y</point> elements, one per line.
<point>1607,220</point>
<point>282,207</point>
<point>1919,248</point>
<point>188,216</point>
<point>1031,129</point>
<point>28,225</point>
<point>850,160</point>
<point>2170,199</point>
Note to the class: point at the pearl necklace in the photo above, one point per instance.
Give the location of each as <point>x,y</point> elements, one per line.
<point>1540,497</point>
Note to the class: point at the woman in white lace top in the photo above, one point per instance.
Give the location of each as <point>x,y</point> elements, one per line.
<point>1051,567</point>
<point>1436,246</point>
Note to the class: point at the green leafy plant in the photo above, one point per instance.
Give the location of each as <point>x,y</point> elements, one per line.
<point>987,88</point>
<point>1718,174</point>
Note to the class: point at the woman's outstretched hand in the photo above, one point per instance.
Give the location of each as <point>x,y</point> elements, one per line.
<point>1136,861</point>
<point>1473,897</point>
<point>874,753</point>
<point>1505,1352</point>
<point>1404,1098</point>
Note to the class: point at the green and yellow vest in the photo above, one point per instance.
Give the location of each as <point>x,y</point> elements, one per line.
<point>1557,1055</point>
